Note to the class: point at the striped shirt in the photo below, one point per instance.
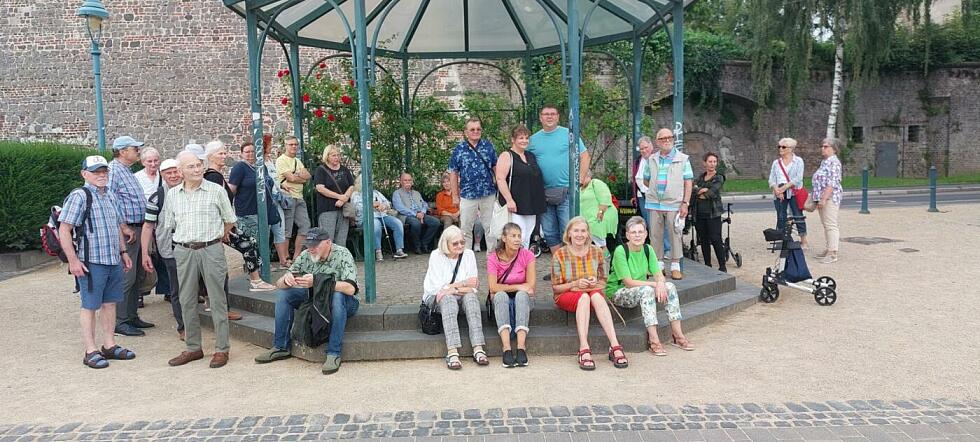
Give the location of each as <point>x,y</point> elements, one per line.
<point>566,267</point>
<point>128,191</point>
<point>198,215</point>
<point>662,172</point>
<point>101,228</point>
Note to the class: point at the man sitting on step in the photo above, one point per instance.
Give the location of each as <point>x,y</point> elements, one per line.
<point>321,258</point>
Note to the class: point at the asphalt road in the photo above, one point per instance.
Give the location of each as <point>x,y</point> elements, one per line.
<point>876,201</point>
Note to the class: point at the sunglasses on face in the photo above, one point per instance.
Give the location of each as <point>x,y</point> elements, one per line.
<point>783,147</point>
<point>457,243</point>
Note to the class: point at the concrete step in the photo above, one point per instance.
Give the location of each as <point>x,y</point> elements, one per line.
<point>544,340</point>
<point>700,282</point>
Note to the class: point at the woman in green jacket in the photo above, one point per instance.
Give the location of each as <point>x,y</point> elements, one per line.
<point>596,206</point>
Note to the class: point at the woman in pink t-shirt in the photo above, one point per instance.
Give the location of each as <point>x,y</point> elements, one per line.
<point>510,271</point>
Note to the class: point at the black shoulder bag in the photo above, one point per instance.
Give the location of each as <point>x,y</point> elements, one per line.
<point>430,321</point>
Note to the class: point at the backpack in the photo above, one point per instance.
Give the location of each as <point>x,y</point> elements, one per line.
<point>626,251</point>
<point>50,237</point>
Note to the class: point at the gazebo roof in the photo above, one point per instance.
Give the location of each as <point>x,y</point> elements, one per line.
<point>459,28</point>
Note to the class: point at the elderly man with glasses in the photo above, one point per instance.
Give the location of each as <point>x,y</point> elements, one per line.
<point>472,182</point>
<point>669,179</point>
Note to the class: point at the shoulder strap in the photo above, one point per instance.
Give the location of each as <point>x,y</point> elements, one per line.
<point>456,270</point>
<point>783,168</point>
<point>336,186</point>
<point>506,273</point>
<point>480,156</point>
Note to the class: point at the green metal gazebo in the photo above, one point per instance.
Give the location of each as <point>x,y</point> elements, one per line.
<point>454,29</point>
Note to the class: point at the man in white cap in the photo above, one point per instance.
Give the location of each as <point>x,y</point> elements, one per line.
<point>101,260</point>
<point>161,240</point>
<point>129,195</point>
<point>201,217</point>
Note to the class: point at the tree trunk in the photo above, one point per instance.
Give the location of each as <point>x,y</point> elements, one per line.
<point>838,86</point>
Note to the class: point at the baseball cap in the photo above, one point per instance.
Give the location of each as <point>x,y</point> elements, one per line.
<point>124,142</point>
<point>92,163</point>
<point>169,163</point>
<point>196,149</point>
<point>317,234</point>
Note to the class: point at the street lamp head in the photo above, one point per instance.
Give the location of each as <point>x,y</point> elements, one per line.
<point>94,13</point>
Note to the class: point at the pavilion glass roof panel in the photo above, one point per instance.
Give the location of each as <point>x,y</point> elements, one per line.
<point>491,22</point>
<point>441,28</point>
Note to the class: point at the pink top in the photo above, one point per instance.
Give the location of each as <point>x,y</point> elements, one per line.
<point>518,275</point>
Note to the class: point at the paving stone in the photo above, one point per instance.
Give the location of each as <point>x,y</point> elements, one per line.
<point>840,406</point>
<point>624,409</point>
<point>646,409</point>
<point>472,413</point>
<point>450,414</point>
<point>494,413</point>
<point>517,412</point>
<point>666,409</point>
<point>690,409</point>
<point>688,435</point>
<point>736,434</point>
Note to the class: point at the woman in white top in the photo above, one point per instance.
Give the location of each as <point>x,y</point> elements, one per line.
<point>450,281</point>
<point>785,176</point>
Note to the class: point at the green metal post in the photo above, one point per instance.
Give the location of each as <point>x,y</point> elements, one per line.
<point>575,73</point>
<point>364,108</point>
<point>528,92</point>
<point>864,191</point>
<point>407,114</point>
<point>932,189</point>
<point>636,98</point>
<point>297,98</point>
<point>99,118</point>
<point>254,77</point>
<point>677,48</point>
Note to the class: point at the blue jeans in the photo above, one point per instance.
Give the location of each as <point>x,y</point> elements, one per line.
<point>395,228</point>
<point>553,222</point>
<point>781,205</point>
<point>288,300</point>
<point>423,238</point>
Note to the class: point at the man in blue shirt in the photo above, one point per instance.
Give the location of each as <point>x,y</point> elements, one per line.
<point>412,209</point>
<point>132,202</point>
<point>471,181</point>
<point>101,260</point>
<point>550,146</point>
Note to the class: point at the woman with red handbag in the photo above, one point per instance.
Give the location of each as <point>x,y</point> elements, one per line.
<point>786,182</point>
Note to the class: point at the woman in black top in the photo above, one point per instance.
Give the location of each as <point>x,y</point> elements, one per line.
<point>708,209</point>
<point>215,154</point>
<point>334,184</point>
<point>520,184</point>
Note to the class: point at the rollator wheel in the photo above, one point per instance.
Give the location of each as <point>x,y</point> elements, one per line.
<point>825,296</point>
<point>769,294</point>
<point>535,249</point>
<point>738,260</point>
<point>826,281</point>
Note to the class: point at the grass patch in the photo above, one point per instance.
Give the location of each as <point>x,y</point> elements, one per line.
<point>852,183</point>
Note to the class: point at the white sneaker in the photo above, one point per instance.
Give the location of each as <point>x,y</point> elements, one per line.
<point>378,256</point>
<point>830,259</point>
<point>476,247</point>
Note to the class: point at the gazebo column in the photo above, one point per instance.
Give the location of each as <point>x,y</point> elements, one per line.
<point>255,84</point>
<point>364,107</point>
<point>575,73</point>
<point>636,100</point>
<point>677,49</point>
<point>407,114</point>
<point>528,91</point>
<point>297,97</point>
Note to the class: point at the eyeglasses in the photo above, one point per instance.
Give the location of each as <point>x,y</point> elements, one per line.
<point>783,147</point>
<point>825,145</point>
<point>457,243</point>
<point>665,138</point>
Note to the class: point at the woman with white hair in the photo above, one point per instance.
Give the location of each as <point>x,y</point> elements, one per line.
<point>149,177</point>
<point>785,178</point>
<point>380,207</point>
<point>451,281</point>
<point>334,184</point>
<point>827,193</point>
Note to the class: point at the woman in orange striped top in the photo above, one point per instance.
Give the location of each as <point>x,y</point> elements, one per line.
<point>445,210</point>
<point>578,278</point>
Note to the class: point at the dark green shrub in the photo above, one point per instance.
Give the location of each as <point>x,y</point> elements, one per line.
<point>34,177</point>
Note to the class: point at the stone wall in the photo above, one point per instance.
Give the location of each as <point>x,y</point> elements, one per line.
<point>175,71</point>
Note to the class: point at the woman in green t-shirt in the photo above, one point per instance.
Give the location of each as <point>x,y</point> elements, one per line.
<point>628,286</point>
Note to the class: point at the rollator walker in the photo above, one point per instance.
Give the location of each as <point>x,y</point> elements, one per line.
<point>790,269</point>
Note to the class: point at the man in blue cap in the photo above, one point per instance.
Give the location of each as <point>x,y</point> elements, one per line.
<point>101,258</point>
<point>128,193</point>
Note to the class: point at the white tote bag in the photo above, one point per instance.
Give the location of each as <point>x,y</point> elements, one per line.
<point>501,216</point>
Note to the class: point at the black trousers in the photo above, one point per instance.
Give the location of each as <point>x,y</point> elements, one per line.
<point>709,235</point>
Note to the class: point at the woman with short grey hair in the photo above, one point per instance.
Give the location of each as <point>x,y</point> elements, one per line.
<point>149,176</point>
<point>828,193</point>
<point>786,178</point>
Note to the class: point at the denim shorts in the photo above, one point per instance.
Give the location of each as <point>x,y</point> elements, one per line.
<point>107,285</point>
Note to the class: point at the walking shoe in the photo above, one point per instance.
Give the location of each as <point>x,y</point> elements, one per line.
<point>331,365</point>
<point>821,255</point>
<point>218,359</point>
<point>185,357</point>
<point>378,256</point>
<point>259,285</point>
<point>126,329</point>
<point>234,316</point>
<point>830,259</point>
<point>399,254</point>
<point>522,357</point>
<point>676,275</point>
<point>272,355</point>
<point>508,359</point>
<point>139,323</point>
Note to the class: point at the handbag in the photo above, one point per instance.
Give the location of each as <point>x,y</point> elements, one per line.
<point>501,279</point>
<point>554,196</point>
<point>430,320</point>
<point>347,210</point>
<point>810,205</point>
<point>801,194</point>
<point>285,201</point>
<point>501,216</point>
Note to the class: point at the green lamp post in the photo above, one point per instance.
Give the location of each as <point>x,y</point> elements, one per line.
<point>94,14</point>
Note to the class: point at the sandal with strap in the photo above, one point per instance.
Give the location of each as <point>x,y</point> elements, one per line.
<point>682,343</point>
<point>452,362</point>
<point>480,357</point>
<point>657,349</point>
<point>586,364</point>
<point>95,360</point>
<point>117,352</point>
<point>618,361</point>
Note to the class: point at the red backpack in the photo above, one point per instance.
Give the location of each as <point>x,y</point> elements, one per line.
<point>50,237</point>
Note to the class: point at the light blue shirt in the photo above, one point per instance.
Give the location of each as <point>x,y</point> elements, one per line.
<point>551,150</point>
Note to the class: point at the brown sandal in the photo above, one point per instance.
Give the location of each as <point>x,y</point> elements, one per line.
<point>583,363</point>
<point>657,349</point>
<point>682,343</point>
<point>618,361</point>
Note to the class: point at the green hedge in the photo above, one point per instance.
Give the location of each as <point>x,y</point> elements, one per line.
<point>34,177</point>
